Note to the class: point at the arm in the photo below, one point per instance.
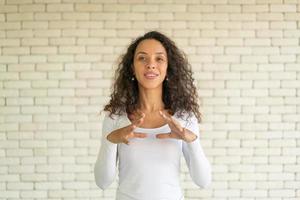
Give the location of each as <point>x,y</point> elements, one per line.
<point>198,165</point>
<point>106,164</point>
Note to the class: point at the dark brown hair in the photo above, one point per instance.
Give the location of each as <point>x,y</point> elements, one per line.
<point>179,92</point>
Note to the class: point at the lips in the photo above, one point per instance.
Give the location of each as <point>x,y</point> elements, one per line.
<point>150,75</point>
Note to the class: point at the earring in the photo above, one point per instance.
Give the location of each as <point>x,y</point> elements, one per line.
<point>167,79</point>
<point>132,79</point>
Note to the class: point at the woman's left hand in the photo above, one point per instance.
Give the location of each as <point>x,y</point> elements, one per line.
<point>177,132</point>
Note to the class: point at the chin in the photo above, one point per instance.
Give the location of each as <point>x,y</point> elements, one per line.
<point>151,85</point>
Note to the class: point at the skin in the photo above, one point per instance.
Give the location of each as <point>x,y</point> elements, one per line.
<point>150,55</point>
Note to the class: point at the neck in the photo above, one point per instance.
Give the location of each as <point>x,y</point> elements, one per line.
<point>150,100</point>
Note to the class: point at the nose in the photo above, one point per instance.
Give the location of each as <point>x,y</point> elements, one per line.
<point>151,64</point>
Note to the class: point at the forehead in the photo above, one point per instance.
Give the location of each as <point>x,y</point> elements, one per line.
<point>150,46</point>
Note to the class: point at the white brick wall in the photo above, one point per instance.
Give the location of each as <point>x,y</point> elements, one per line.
<point>56,67</point>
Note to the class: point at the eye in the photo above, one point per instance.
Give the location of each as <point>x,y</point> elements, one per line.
<point>142,58</point>
<point>160,59</point>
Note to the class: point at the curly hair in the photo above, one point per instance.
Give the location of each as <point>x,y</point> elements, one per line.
<point>179,92</point>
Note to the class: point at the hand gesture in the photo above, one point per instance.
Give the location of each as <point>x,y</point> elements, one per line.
<point>177,132</point>
<point>123,135</point>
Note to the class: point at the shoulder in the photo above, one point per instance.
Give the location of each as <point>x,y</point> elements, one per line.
<point>111,118</point>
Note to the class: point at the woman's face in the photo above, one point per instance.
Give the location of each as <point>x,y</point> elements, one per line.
<point>150,64</point>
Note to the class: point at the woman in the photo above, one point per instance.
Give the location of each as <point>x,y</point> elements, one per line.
<point>152,118</point>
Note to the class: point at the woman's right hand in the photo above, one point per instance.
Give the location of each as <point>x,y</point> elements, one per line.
<point>123,135</point>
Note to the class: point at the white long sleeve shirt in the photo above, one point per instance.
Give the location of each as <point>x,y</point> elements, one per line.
<point>149,168</point>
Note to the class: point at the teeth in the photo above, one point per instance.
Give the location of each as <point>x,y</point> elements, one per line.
<point>151,75</point>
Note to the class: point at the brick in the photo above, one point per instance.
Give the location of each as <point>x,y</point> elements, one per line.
<point>34,42</point>
<point>46,118</point>
<point>16,51</point>
<point>8,59</point>
<point>33,92</point>
<point>82,7</point>
<point>10,25</point>
<point>89,92</point>
<point>61,75</point>
<point>101,16</point>
<point>34,109</point>
<point>266,84</point>
<point>33,59</point>
<point>157,16</point>
<point>145,8</point>
<point>286,25</point>
<point>269,33</point>
<point>255,8</point>
<point>227,8</point>
<point>47,16</point>
<point>75,101</point>
<point>60,7</point>
<point>32,8</point>
<point>89,75</point>
<point>45,50</point>
<point>34,177</point>
<point>19,101</point>
<point>90,25</point>
<point>257,109</point>
<point>19,2</point>
<point>73,84</point>
<point>48,100</point>
<point>244,17</point>
<point>19,34</point>
<point>283,8</point>
<point>9,42</point>
<point>35,25</point>
<point>71,50</point>
<point>75,16</point>
<point>8,8</point>
<point>270,16</point>
<point>9,194</point>
<point>17,84</point>
<point>8,92</point>
<point>62,109</point>
<point>61,92</point>
<point>283,75</point>
<point>21,169</point>
<point>103,33</point>
<point>142,25</point>
<point>20,17</point>
<point>75,33</point>
<point>48,186</point>
<point>116,8</point>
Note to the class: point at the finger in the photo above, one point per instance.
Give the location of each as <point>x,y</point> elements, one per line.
<point>163,135</point>
<point>165,116</point>
<point>171,121</point>
<point>177,125</point>
<point>139,121</point>
<point>140,135</point>
<point>126,142</point>
<point>167,136</point>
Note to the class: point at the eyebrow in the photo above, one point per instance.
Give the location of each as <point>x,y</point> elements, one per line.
<point>142,52</point>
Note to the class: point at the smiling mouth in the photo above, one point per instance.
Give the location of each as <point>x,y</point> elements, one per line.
<point>151,75</point>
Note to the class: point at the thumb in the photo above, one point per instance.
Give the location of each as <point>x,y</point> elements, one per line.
<point>163,135</point>
<point>140,135</point>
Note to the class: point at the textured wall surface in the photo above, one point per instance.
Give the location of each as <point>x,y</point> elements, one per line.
<point>57,60</point>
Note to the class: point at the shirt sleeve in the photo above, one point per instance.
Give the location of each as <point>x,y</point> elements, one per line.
<point>105,168</point>
<point>197,163</point>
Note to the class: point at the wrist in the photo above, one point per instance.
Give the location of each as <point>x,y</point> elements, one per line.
<point>190,137</point>
<point>192,140</point>
<point>110,138</point>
